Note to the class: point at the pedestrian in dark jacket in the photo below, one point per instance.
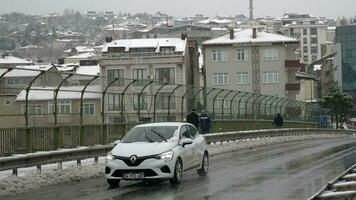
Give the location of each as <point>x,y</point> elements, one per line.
<point>278,121</point>
<point>193,118</point>
<point>205,123</point>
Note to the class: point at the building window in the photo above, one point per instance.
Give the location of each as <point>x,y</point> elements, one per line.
<point>63,107</point>
<point>270,77</point>
<point>270,54</point>
<point>219,103</point>
<point>7,102</point>
<point>314,50</point>
<point>143,101</point>
<point>242,78</point>
<point>33,109</point>
<point>314,57</point>
<point>162,101</point>
<point>314,40</point>
<point>116,73</point>
<point>89,109</point>
<point>221,78</point>
<point>242,54</point>
<point>165,75</point>
<point>305,31</point>
<point>305,58</point>
<point>313,31</point>
<point>140,75</point>
<point>305,41</point>
<point>114,102</point>
<point>219,55</point>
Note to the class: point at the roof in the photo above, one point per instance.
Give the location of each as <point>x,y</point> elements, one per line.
<point>156,43</point>
<point>304,75</point>
<point>216,21</point>
<point>245,36</point>
<point>82,56</point>
<point>81,49</point>
<point>48,93</point>
<point>163,124</point>
<point>14,60</point>
<point>87,70</point>
<point>26,71</point>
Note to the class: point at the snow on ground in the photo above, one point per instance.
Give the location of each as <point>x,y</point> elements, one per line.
<point>29,178</point>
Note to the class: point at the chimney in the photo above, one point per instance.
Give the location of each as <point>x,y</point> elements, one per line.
<point>183,36</point>
<point>232,34</point>
<point>254,33</point>
<point>108,39</point>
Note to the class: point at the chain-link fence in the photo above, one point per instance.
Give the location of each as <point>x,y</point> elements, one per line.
<point>45,109</point>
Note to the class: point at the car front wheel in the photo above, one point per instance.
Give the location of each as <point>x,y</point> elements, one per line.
<point>203,171</point>
<point>178,173</point>
<point>113,182</point>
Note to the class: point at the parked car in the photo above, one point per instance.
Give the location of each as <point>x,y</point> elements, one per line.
<point>158,151</point>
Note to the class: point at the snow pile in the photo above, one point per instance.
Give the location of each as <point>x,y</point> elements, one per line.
<point>30,179</point>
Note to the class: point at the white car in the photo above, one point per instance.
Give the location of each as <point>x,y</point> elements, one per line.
<point>158,151</point>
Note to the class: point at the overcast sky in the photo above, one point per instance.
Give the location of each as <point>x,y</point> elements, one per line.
<point>179,8</point>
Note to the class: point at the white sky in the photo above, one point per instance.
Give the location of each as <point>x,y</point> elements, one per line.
<point>179,8</point>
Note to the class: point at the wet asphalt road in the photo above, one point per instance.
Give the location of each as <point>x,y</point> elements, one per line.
<point>293,171</point>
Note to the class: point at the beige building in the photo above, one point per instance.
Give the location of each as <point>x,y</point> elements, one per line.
<point>170,61</point>
<point>252,61</point>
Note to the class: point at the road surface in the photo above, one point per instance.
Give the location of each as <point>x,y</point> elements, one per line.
<point>293,171</point>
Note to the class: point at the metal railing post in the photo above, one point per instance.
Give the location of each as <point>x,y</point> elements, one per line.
<point>123,99</point>
<point>276,107</point>
<point>281,108</point>
<point>182,101</point>
<point>246,104</point>
<point>239,104</point>
<point>221,91</point>
<point>265,110</point>
<point>169,100</point>
<point>223,103</point>
<point>253,106</point>
<point>154,101</point>
<point>206,96</point>
<point>259,105</point>
<point>82,133</point>
<point>196,95</point>
<point>139,100</point>
<point>231,102</point>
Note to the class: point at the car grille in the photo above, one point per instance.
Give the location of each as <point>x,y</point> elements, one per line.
<point>138,161</point>
<point>147,172</point>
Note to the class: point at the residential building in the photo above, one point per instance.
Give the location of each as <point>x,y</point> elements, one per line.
<point>164,60</point>
<point>252,61</point>
<point>310,31</point>
<point>12,61</point>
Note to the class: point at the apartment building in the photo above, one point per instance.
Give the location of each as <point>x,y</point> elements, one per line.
<point>170,61</point>
<point>310,31</point>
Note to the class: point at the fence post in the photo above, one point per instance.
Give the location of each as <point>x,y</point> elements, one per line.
<point>29,140</point>
<point>154,101</point>
<point>231,102</point>
<point>205,98</point>
<point>123,98</point>
<point>239,104</point>
<point>221,91</point>
<point>222,109</point>
<point>82,128</point>
<point>182,101</point>
<point>139,100</point>
<point>246,105</point>
<point>169,101</point>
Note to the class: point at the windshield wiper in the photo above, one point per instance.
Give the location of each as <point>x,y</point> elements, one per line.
<point>146,136</point>
<point>159,135</point>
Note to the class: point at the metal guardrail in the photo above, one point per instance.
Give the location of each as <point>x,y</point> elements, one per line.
<point>341,188</point>
<point>43,158</point>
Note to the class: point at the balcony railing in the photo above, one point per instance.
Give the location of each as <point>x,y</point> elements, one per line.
<point>293,64</point>
<point>293,86</point>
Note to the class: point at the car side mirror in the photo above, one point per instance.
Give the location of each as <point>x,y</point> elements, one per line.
<point>186,141</point>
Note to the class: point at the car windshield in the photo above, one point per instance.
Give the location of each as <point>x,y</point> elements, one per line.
<point>150,134</point>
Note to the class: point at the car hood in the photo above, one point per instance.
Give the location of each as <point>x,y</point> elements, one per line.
<point>142,148</point>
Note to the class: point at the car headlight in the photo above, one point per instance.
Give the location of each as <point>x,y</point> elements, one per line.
<point>110,157</point>
<point>167,156</point>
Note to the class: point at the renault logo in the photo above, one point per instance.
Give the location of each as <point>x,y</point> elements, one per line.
<point>133,159</point>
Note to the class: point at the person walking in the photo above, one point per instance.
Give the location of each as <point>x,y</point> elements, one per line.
<point>278,121</point>
<point>193,118</point>
<point>205,122</point>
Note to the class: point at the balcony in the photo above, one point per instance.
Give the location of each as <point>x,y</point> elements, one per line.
<point>292,86</point>
<point>293,64</point>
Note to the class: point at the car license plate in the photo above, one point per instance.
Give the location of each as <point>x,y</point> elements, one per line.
<point>133,175</point>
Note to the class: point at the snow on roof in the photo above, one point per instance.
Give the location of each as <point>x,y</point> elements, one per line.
<point>331,28</point>
<point>156,43</point>
<point>317,67</point>
<point>81,49</point>
<point>87,70</point>
<point>48,93</point>
<point>217,21</point>
<point>25,71</point>
<point>14,60</point>
<point>82,56</point>
<point>245,36</point>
